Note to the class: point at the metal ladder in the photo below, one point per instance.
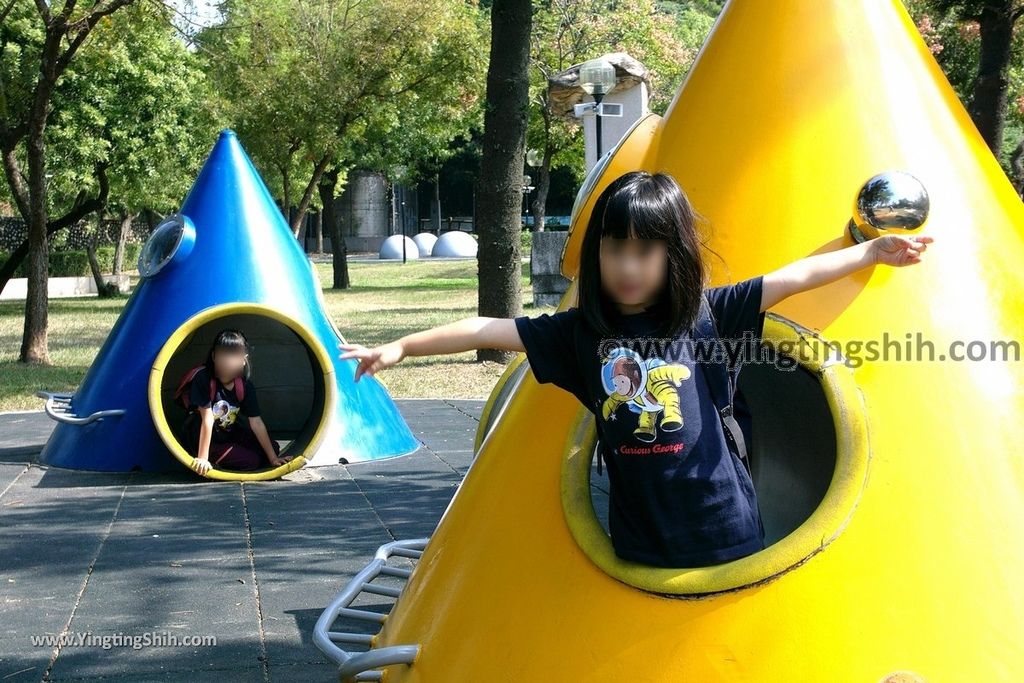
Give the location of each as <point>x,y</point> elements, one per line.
<point>58,407</point>
<point>363,666</point>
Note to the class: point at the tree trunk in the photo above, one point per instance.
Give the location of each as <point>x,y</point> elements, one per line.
<point>122,238</point>
<point>53,61</point>
<point>104,289</point>
<point>320,231</point>
<point>286,199</point>
<point>988,101</point>
<point>339,252</point>
<point>307,194</point>
<point>1017,164</point>
<point>539,205</point>
<point>94,267</point>
<point>152,219</point>
<point>501,166</point>
<point>34,341</point>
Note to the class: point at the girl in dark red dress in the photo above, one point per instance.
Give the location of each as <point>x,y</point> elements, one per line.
<point>220,395</point>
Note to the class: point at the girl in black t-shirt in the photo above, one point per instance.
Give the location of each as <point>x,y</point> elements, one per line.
<point>678,496</point>
<point>220,394</point>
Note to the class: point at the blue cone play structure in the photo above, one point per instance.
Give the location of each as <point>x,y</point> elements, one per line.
<point>228,259</point>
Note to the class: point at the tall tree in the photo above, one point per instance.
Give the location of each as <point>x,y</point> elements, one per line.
<point>953,32</point>
<point>328,189</point>
<point>409,145</point>
<point>47,41</point>
<point>499,198</point>
<point>128,124</point>
<point>306,79</point>
<point>996,20</point>
<point>156,126</point>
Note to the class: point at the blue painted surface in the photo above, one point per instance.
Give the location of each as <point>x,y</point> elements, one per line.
<point>244,251</point>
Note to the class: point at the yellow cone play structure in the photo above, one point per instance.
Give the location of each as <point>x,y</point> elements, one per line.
<point>892,487</point>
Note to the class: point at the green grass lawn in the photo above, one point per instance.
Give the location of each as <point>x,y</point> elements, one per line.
<point>386,300</point>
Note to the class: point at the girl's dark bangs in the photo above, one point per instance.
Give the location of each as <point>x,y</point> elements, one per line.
<point>616,218</point>
<point>231,341</point>
<point>648,222</point>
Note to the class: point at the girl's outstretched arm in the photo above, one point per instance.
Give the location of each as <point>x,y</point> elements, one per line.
<point>819,269</point>
<point>202,464</point>
<point>461,335</point>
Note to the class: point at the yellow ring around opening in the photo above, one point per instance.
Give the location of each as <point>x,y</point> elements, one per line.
<point>816,532</point>
<point>156,407</point>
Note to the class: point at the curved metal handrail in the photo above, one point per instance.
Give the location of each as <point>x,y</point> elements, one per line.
<point>58,407</point>
<point>358,666</point>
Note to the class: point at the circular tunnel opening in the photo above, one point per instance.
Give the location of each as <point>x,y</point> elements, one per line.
<point>793,444</point>
<point>290,370</point>
<point>808,464</point>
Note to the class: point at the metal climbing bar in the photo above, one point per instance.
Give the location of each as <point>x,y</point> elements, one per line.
<point>364,666</point>
<point>58,407</point>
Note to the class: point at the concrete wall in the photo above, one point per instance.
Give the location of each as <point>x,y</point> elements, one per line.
<point>545,255</point>
<point>61,287</point>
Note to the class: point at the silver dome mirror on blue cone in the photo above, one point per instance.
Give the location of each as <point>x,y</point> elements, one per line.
<point>171,242</point>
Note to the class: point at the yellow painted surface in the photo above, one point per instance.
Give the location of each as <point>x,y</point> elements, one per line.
<point>782,119</point>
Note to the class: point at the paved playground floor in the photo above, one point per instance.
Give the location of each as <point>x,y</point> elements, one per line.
<point>92,555</point>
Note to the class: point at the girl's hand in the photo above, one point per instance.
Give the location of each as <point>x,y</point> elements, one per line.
<point>899,250</point>
<point>372,359</point>
<point>201,465</point>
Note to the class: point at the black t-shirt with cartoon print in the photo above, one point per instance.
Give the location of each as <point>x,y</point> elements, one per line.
<point>678,496</point>
<point>225,405</point>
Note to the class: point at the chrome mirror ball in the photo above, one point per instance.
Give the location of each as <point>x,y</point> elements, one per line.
<point>889,200</point>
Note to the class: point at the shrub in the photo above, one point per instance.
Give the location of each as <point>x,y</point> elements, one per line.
<point>73,263</point>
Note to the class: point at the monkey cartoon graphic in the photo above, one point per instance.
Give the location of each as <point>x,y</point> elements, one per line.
<point>647,386</point>
<point>225,414</point>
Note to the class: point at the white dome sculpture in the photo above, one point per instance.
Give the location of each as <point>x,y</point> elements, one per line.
<point>391,248</point>
<point>425,241</point>
<point>454,243</point>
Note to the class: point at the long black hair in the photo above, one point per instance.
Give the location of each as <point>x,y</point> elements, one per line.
<point>642,205</point>
<point>229,339</point>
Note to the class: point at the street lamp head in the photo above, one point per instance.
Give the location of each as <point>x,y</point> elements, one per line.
<point>533,158</point>
<point>597,77</point>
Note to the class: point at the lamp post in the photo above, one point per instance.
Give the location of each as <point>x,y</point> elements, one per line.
<point>597,78</point>
<point>526,189</point>
<point>399,173</point>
